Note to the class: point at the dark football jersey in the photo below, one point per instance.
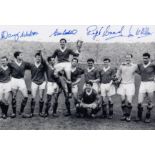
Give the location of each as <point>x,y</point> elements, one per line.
<point>76,74</point>
<point>37,73</point>
<point>107,76</point>
<point>64,56</point>
<point>91,75</point>
<point>50,74</point>
<point>148,73</point>
<point>5,75</point>
<point>18,71</point>
<point>88,98</point>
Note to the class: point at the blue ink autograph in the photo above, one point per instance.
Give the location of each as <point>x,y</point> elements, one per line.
<point>4,35</point>
<point>64,32</point>
<point>107,33</point>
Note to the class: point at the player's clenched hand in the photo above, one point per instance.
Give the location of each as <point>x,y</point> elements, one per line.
<point>79,44</point>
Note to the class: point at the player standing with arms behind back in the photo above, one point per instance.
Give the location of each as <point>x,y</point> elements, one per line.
<point>106,87</point>
<point>126,74</point>
<point>147,87</point>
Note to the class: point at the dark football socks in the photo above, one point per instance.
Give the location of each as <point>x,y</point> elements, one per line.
<point>129,109</point>
<point>124,108</point>
<point>14,105</point>
<point>110,108</point>
<point>32,106</point>
<point>41,105</point>
<point>67,107</point>
<point>48,104</point>
<point>139,112</point>
<point>23,104</point>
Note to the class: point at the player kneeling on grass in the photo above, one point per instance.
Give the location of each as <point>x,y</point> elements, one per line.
<point>107,88</point>
<point>5,86</point>
<point>89,102</point>
<point>62,56</point>
<point>147,87</point>
<point>38,82</point>
<point>75,79</point>
<point>92,74</point>
<point>126,74</point>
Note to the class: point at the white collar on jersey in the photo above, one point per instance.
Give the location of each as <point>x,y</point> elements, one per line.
<point>145,66</point>
<point>4,68</point>
<point>37,64</point>
<point>62,50</point>
<point>52,67</point>
<point>73,69</point>
<point>88,93</point>
<point>18,63</point>
<point>89,70</point>
<point>106,69</point>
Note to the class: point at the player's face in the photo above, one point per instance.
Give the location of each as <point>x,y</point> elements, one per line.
<point>62,44</point>
<point>20,57</point>
<point>106,63</point>
<point>52,61</point>
<point>88,87</point>
<point>90,64</point>
<point>38,59</point>
<point>146,59</point>
<point>4,62</point>
<point>128,59</point>
<point>74,63</point>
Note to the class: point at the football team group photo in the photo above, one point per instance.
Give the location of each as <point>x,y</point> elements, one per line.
<point>77,85</point>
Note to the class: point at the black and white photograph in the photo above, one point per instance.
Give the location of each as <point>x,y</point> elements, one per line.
<point>88,77</point>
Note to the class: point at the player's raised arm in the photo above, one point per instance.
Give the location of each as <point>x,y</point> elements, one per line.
<point>119,73</point>
<point>54,55</point>
<point>78,48</point>
<point>43,59</point>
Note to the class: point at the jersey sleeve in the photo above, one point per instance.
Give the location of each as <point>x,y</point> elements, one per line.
<point>28,65</point>
<point>81,71</point>
<point>97,74</point>
<point>138,69</point>
<point>113,73</point>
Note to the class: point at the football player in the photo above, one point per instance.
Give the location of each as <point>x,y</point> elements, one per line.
<point>18,67</point>
<point>89,102</point>
<point>64,64</point>
<point>107,88</point>
<point>76,73</point>
<point>126,74</point>
<point>147,87</point>
<point>92,74</point>
<point>5,86</point>
<point>52,85</point>
<point>38,82</point>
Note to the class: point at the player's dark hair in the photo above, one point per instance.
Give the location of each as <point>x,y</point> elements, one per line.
<point>90,60</point>
<point>146,55</point>
<point>17,53</point>
<point>37,54</point>
<point>75,59</point>
<point>63,39</point>
<point>49,58</point>
<point>89,82</point>
<point>130,55</point>
<point>4,57</point>
<point>106,59</point>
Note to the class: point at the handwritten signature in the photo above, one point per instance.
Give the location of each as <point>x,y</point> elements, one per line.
<point>4,35</point>
<point>57,32</point>
<point>108,33</point>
